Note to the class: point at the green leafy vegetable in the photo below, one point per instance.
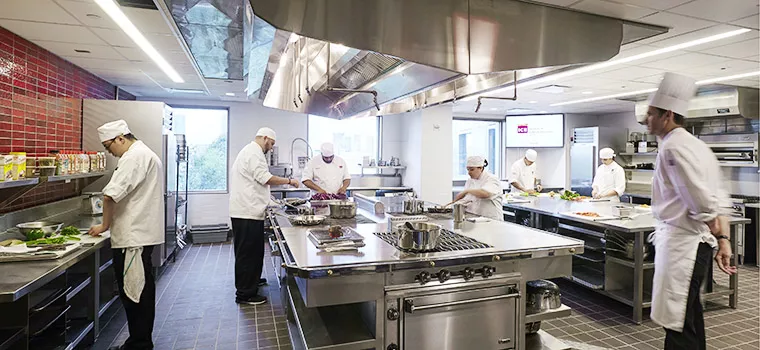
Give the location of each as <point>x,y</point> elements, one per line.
<point>53,240</point>
<point>35,234</point>
<point>70,231</point>
<point>569,195</point>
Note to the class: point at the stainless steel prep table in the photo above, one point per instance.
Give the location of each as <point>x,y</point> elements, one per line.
<point>284,191</point>
<point>314,282</point>
<point>632,291</point>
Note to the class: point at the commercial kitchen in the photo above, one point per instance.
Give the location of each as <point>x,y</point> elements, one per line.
<point>409,99</point>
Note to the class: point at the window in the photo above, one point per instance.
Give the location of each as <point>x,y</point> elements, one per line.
<point>354,139</point>
<point>476,138</point>
<point>206,136</point>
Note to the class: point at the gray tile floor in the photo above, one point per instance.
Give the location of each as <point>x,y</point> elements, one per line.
<point>196,310</point>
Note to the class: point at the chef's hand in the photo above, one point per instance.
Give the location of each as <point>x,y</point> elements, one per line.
<point>595,194</point>
<point>341,190</point>
<point>723,258</point>
<point>539,188</point>
<point>96,230</point>
<point>293,183</point>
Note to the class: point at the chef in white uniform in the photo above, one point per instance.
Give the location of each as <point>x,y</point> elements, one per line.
<point>688,202</point>
<point>609,182</point>
<point>327,173</point>
<point>523,174</point>
<point>133,209</point>
<point>482,191</point>
<point>249,197</point>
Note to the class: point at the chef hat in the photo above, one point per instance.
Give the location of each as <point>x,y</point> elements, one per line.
<point>112,130</point>
<point>476,162</point>
<point>267,132</point>
<point>606,153</point>
<point>674,93</point>
<point>531,155</point>
<point>327,149</point>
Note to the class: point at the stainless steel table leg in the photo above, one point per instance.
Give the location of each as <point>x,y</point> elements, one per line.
<point>733,280</point>
<point>638,277</point>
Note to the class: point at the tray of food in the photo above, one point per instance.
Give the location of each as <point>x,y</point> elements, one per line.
<point>590,215</point>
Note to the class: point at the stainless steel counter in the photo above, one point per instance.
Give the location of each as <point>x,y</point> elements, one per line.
<point>353,188</point>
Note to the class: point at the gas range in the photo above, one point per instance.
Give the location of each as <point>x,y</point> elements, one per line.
<point>448,241</point>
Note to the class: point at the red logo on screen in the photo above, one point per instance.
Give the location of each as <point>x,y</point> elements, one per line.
<point>522,129</point>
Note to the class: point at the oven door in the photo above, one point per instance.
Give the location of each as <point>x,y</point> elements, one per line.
<point>483,318</point>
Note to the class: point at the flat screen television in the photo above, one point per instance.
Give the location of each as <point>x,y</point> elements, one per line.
<point>535,131</point>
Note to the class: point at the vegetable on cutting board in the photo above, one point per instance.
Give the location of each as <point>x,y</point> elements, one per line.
<point>10,242</point>
<point>70,231</point>
<point>52,240</point>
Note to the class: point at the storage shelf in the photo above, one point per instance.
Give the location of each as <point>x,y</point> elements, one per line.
<point>562,311</point>
<point>640,170</point>
<point>587,277</point>
<point>629,263</point>
<point>104,307</point>
<point>591,256</point>
<point>626,296</point>
<point>719,291</point>
<point>57,178</point>
<point>385,167</point>
<point>78,282</point>
<point>639,182</point>
<point>19,183</point>
<point>105,265</point>
<point>651,154</point>
<point>8,337</point>
<point>77,332</point>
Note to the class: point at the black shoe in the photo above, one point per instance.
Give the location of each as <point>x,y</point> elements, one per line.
<point>254,300</point>
<point>263,282</point>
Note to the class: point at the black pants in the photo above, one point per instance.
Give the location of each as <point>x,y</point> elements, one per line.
<point>693,335</point>
<point>249,238</point>
<point>140,316</point>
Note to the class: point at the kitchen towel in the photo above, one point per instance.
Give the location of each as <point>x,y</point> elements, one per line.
<point>134,273</point>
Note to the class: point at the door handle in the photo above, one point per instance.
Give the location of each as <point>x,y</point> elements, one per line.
<point>411,308</point>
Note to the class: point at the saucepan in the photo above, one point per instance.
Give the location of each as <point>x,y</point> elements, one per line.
<point>543,295</point>
<point>414,207</point>
<point>418,236</point>
<point>343,210</point>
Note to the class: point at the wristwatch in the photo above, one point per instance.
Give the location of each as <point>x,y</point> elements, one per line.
<point>723,237</point>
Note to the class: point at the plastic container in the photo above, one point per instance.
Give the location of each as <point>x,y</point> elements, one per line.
<point>19,165</point>
<point>94,167</point>
<point>62,162</point>
<point>84,162</point>
<point>31,161</point>
<point>6,164</point>
<point>46,170</point>
<point>44,161</point>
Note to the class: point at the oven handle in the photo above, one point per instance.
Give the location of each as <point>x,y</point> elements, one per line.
<point>411,308</point>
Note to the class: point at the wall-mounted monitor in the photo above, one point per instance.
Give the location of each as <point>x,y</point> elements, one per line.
<point>535,131</point>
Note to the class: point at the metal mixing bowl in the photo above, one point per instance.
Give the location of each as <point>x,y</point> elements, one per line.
<point>48,227</point>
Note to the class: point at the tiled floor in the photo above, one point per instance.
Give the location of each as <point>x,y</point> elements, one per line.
<point>196,310</point>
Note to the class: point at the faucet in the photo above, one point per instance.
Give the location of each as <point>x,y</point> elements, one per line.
<point>308,148</point>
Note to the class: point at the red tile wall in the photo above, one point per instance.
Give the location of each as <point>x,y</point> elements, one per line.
<point>41,108</point>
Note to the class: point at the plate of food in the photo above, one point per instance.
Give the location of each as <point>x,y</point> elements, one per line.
<point>590,215</point>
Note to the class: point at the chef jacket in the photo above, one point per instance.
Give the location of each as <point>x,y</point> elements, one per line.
<point>327,176</point>
<point>490,207</point>
<point>687,189</point>
<point>136,187</point>
<point>249,192</point>
<point>523,174</point>
<point>608,178</point>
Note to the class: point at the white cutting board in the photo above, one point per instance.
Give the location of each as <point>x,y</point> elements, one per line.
<point>600,218</point>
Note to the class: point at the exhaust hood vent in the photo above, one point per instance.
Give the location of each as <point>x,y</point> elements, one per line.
<point>141,4</point>
<point>725,102</point>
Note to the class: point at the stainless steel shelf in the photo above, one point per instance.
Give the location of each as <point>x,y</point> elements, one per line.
<point>562,311</point>
<point>626,296</point>
<point>57,178</point>
<point>652,154</point>
<point>384,167</point>
<point>19,183</point>
<point>104,307</point>
<point>629,263</point>
<point>719,291</point>
<point>640,170</point>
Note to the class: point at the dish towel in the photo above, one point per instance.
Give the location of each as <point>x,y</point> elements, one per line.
<point>134,273</point>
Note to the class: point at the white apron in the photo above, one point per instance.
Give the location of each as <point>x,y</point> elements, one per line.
<point>675,255</point>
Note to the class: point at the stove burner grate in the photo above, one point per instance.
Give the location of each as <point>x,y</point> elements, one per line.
<point>448,241</point>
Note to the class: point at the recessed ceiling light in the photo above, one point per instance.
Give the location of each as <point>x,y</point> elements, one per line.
<point>114,11</point>
<point>610,63</point>
<point>542,112</point>
<point>81,51</point>
<point>587,92</point>
<point>533,102</point>
<point>493,109</point>
<point>230,94</point>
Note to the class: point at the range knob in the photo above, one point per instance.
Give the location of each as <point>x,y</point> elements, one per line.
<point>393,314</point>
<point>488,271</point>
<point>423,277</point>
<point>444,275</point>
<point>468,273</point>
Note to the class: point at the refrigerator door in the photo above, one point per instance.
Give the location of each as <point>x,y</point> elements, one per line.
<point>582,165</point>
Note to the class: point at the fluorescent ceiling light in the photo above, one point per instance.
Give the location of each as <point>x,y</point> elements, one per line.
<point>230,94</point>
<point>610,63</point>
<point>646,91</point>
<point>730,77</point>
<point>587,92</point>
<point>533,102</point>
<point>519,110</point>
<point>185,91</point>
<point>114,11</point>
<point>592,99</point>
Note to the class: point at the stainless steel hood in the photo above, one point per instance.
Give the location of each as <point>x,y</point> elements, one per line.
<point>415,53</point>
<point>722,102</point>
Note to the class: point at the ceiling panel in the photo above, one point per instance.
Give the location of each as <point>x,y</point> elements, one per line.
<point>67,50</point>
<point>750,22</point>
<point>706,32</point>
<point>652,79</point>
<point>721,11</point>
<point>95,63</point>
<point>51,32</point>
<point>562,3</point>
<point>114,37</point>
<point>148,21</point>
<point>32,10</point>
<point>747,48</point>
<point>88,13</point>
<point>755,58</point>
<point>684,62</point>
<point>723,68</point>
<point>607,8</point>
<point>655,4</point>
<point>678,25</point>
<point>629,72</point>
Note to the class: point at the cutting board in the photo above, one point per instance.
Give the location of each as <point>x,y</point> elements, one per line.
<point>36,256</point>
<point>600,218</point>
<point>89,241</point>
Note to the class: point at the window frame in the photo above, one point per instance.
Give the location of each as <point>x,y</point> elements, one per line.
<point>500,143</point>
<point>227,161</point>
<point>378,155</point>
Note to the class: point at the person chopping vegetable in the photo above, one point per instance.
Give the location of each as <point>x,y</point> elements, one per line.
<point>523,174</point>
<point>688,202</point>
<point>482,191</point>
<point>609,182</point>
<point>133,209</point>
<point>327,173</point>
<point>249,197</point>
